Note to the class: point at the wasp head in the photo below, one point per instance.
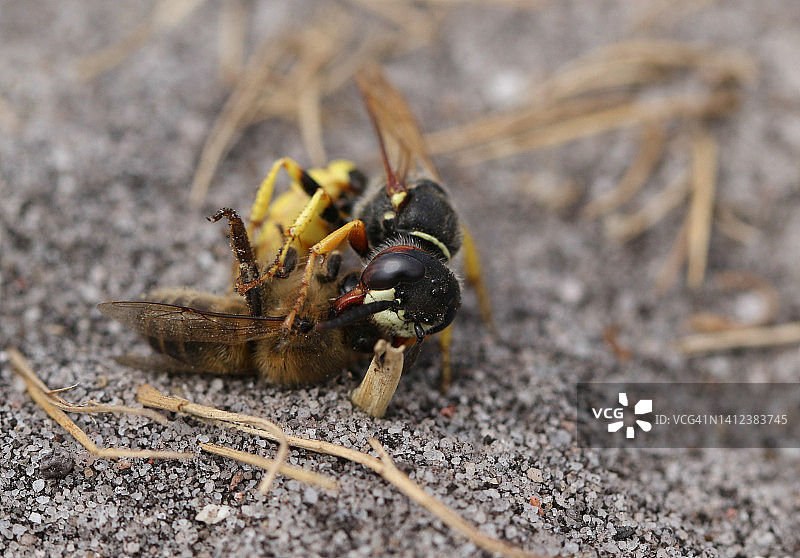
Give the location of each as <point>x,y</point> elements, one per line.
<point>406,291</point>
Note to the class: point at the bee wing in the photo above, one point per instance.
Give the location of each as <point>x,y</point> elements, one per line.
<point>403,148</point>
<point>189,324</point>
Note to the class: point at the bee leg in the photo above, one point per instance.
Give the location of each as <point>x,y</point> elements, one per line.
<point>301,179</point>
<point>353,232</point>
<point>243,252</point>
<point>380,382</point>
<point>318,206</point>
<point>334,265</point>
<point>474,276</point>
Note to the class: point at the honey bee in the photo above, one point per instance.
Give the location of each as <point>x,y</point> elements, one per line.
<point>302,323</point>
<point>226,334</point>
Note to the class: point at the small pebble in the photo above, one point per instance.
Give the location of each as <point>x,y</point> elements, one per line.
<point>57,466</point>
<point>535,474</point>
<point>213,514</point>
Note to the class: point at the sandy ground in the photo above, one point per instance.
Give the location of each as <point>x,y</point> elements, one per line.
<point>93,187</point>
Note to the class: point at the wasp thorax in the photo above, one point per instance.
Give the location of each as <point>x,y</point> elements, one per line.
<point>425,213</point>
<point>424,293</point>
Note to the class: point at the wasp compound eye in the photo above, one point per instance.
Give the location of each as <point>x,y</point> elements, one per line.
<point>389,269</point>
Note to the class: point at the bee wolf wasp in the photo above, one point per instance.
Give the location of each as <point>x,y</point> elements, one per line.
<point>301,323</point>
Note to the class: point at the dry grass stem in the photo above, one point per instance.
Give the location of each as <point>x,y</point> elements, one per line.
<point>588,80</point>
<point>598,93</point>
<point>92,407</point>
<point>671,268</point>
<point>259,78</point>
<point>102,61</point>
<point>148,395</point>
<point>627,115</point>
<point>309,117</point>
<point>377,388</point>
<point>270,85</point>
<point>582,79</point>
<point>418,24</point>
<point>44,398</point>
<point>234,116</point>
<point>296,473</point>
<point>232,27</point>
<point>701,207</point>
<point>625,228</point>
<point>733,227</point>
<point>716,64</point>
<point>489,128</point>
<point>289,75</point>
<point>393,475</point>
<point>739,281</point>
<point>741,338</point>
<point>663,14</point>
<point>166,15</point>
<point>23,369</point>
<point>651,151</point>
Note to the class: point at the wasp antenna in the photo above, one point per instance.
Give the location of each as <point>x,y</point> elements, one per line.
<point>394,185</point>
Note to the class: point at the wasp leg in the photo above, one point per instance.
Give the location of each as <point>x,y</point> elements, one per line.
<point>353,232</point>
<point>319,203</point>
<point>337,177</point>
<point>474,276</point>
<point>258,213</point>
<point>380,382</point>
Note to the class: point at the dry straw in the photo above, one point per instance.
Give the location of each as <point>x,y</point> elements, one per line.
<point>55,407</point>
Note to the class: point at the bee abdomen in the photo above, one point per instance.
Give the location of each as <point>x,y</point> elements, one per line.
<point>303,358</point>
<point>216,358</point>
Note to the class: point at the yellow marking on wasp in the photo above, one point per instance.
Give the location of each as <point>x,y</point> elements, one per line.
<point>433,240</point>
<point>398,198</point>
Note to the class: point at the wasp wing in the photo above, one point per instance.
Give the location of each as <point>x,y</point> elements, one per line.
<point>403,147</point>
<point>172,322</point>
